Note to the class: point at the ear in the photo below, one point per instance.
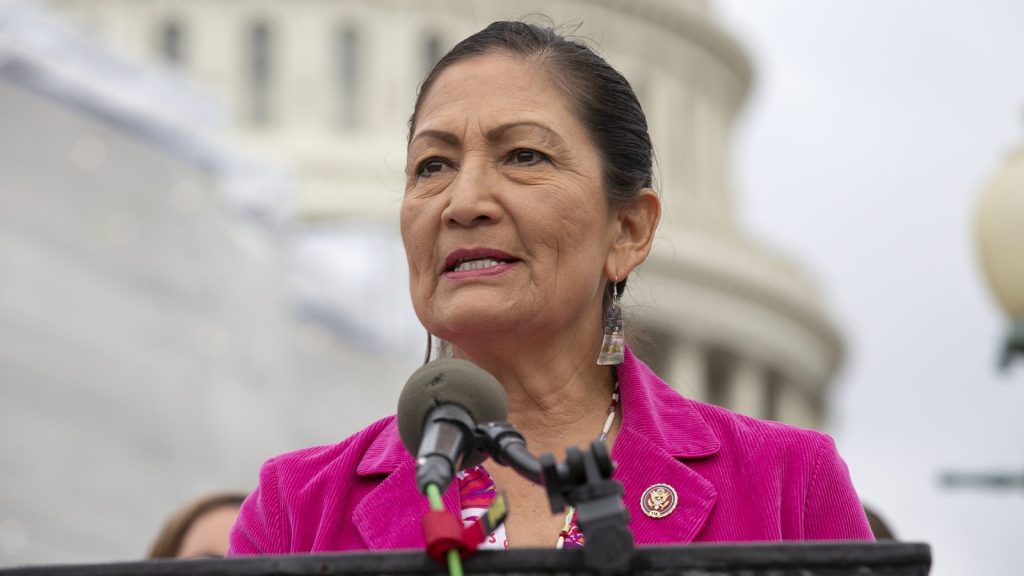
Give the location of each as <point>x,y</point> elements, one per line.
<point>634,234</point>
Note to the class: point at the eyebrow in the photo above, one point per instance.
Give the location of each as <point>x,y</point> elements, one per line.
<point>446,137</point>
<point>498,131</point>
<point>491,135</point>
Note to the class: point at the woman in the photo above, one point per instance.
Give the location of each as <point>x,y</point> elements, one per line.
<point>200,529</point>
<point>528,203</point>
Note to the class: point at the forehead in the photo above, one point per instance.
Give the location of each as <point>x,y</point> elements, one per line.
<point>493,89</point>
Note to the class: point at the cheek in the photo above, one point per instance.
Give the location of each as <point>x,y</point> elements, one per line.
<point>589,243</point>
<point>416,237</point>
<point>575,237</point>
<point>581,231</point>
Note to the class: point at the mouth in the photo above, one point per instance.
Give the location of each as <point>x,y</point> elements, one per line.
<point>476,259</point>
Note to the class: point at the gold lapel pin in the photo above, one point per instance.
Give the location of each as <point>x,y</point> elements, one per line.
<point>659,500</point>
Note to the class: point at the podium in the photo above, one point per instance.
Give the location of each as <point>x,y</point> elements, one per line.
<point>805,559</point>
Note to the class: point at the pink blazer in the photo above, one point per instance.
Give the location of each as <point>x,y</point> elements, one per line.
<point>737,479</point>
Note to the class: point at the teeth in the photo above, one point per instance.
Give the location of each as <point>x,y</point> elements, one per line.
<point>476,264</point>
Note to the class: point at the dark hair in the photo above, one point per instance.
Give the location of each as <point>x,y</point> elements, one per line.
<point>168,542</point>
<point>602,98</point>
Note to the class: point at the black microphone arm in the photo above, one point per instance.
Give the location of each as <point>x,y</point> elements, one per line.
<point>507,447</point>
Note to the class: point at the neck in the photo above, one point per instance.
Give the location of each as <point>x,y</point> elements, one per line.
<point>558,396</point>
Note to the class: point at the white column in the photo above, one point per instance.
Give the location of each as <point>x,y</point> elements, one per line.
<point>795,406</point>
<point>747,386</point>
<point>688,370</point>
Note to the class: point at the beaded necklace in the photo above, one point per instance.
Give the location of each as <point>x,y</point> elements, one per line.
<point>567,526</point>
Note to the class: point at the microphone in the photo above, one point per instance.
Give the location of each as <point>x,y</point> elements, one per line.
<point>437,414</point>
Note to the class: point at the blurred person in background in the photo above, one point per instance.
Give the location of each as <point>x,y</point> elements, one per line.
<point>200,529</point>
<point>879,527</point>
<point>529,201</point>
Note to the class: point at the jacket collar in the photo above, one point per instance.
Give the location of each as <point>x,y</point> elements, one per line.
<point>385,454</point>
<point>655,411</point>
<point>659,428</point>
<point>389,516</point>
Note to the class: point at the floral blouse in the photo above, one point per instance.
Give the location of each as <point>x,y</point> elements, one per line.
<point>477,492</point>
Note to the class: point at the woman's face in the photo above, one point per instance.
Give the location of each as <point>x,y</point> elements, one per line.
<point>504,219</point>
<point>208,536</point>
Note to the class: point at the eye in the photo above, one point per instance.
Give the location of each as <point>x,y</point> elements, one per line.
<point>432,166</point>
<point>526,157</point>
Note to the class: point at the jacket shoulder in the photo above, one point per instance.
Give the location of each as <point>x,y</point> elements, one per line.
<point>763,438</point>
<point>799,468</point>
<point>309,483</point>
<point>348,453</point>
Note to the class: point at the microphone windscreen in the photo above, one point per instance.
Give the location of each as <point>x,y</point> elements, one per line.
<point>449,381</point>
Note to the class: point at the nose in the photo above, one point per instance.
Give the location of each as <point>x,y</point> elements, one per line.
<point>472,200</point>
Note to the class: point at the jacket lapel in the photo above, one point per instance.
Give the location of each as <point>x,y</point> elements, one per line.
<point>388,517</point>
<point>659,430</point>
<point>641,465</point>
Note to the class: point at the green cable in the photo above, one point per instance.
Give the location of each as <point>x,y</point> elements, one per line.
<point>454,561</point>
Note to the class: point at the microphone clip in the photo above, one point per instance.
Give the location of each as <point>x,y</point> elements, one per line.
<point>583,481</point>
<point>443,531</point>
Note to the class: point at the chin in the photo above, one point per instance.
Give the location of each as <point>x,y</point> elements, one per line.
<point>459,326</point>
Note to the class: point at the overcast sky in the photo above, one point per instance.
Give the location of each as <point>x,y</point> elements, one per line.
<point>872,127</point>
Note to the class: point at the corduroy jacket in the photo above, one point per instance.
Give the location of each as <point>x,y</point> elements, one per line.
<point>736,479</point>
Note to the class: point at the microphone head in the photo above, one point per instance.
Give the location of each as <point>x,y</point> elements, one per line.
<point>449,381</point>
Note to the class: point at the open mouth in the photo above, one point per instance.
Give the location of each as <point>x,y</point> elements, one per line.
<point>468,264</point>
<point>476,259</point>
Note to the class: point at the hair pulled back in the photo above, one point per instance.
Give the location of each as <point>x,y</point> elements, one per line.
<point>602,99</point>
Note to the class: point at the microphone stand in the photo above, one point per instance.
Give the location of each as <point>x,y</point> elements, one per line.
<point>448,430</point>
<point>583,481</point>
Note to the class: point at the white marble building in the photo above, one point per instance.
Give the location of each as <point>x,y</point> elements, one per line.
<point>325,88</point>
<point>152,347</point>
<point>171,317</point>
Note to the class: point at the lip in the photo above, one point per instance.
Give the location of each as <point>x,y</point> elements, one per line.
<point>474,253</point>
<point>469,274</point>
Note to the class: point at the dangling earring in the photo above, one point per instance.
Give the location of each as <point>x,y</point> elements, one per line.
<point>614,342</point>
